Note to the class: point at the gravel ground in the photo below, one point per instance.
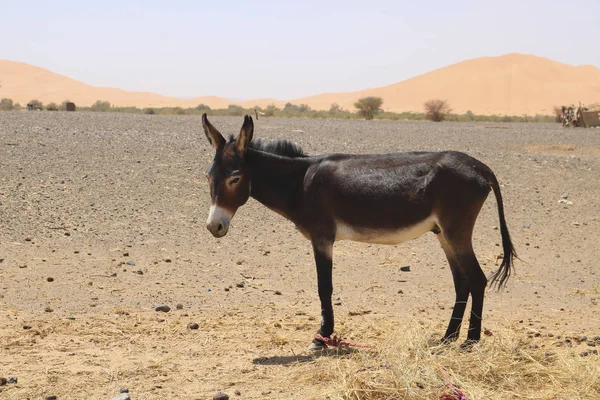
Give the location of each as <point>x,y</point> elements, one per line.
<point>102,220</point>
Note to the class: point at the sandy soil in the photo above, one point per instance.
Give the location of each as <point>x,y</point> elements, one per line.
<point>112,208</point>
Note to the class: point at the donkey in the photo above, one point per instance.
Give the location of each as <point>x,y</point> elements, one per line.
<point>377,198</point>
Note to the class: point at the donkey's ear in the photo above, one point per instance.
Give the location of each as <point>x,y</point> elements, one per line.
<point>212,134</point>
<point>245,136</point>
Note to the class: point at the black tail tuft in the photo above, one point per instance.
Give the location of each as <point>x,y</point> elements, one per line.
<point>500,277</point>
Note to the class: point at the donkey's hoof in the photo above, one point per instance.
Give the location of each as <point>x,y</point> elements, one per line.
<point>469,344</point>
<point>317,345</point>
<point>447,340</point>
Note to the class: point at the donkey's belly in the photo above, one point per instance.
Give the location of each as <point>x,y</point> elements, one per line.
<point>383,236</point>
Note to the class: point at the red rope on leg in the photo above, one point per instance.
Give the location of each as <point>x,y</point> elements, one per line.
<point>336,341</point>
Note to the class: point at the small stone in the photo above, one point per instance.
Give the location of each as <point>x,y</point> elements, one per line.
<point>167,260</point>
<point>130,262</point>
<point>237,392</point>
<point>124,390</point>
<point>193,326</point>
<point>406,268</point>
<point>221,396</point>
<point>487,332</point>
<point>48,309</point>
<point>139,272</point>
<point>278,293</point>
<point>226,289</point>
<point>400,291</point>
<point>23,265</point>
<point>126,254</point>
<point>583,338</point>
<point>591,343</point>
<point>122,396</point>
<point>50,279</point>
<point>179,306</point>
<point>13,379</point>
<point>240,285</point>
<point>239,262</point>
<point>1,259</point>
<point>67,234</point>
<point>51,397</point>
<point>277,325</point>
<point>28,239</point>
<point>163,308</point>
<point>26,327</point>
<point>3,381</point>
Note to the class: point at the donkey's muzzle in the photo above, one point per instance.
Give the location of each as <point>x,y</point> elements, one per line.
<point>218,221</point>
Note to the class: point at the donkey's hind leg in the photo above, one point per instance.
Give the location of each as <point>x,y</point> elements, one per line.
<point>468,279</point>
<point>462,293</point>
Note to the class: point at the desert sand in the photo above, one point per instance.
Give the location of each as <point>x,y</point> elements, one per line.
<point>102,220</point>
<point>512,84</point>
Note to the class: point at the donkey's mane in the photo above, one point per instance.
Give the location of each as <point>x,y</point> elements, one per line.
<point>280,147</point>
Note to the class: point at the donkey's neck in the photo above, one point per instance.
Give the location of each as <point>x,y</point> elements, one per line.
<point>277,180</point>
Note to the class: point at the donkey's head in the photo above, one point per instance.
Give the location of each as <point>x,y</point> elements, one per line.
<point>228,175</point>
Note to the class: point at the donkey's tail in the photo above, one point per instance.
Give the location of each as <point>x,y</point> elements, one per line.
<point>500,277</point>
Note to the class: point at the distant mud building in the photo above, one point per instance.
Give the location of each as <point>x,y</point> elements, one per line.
<point>69,106</point>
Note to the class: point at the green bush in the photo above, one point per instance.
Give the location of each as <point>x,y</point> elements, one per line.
<point>271,110</point>
<point>235,110</point>
<point>100,106</point>
<point>436,110</point>
<point>52,107</point>
<point>368,107</point>
<point>36,104</point>
<point>6,105</point>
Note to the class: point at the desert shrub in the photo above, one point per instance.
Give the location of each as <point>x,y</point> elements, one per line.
<point>52,107</point>
<point>271,110</point>
<point>235,110</point>
<point>202,107</point>
<point>149,111</point>
<point>368,107</point>
<point>36,104</point>
<point>100,106</point>
<point>303,108</point>
<point>6,105</point>
<point>17,107</point>
<point>335,109</point>
<point>436,110</point>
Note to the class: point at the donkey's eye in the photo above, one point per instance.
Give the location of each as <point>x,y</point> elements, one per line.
<point>234,180</point>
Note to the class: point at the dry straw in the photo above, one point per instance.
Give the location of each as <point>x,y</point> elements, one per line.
<point>510,364</point>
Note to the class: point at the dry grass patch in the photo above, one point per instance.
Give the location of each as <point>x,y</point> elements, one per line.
<point>510,364</point>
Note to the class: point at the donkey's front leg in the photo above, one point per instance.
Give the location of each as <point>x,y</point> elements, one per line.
<point>323,250</point>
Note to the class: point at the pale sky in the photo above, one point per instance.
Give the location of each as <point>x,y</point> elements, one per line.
<point>284,49</point>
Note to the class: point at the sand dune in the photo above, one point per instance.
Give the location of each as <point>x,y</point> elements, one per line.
<point>511,84</point>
